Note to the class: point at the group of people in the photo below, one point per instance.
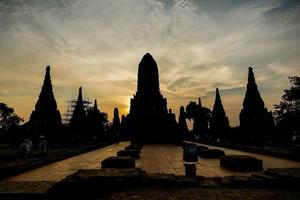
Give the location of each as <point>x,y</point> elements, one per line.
<point>26,146</point>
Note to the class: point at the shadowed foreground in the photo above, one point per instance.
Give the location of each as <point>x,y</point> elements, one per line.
<point>137,184</point>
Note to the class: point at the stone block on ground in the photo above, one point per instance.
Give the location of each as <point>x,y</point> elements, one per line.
<point>137,146</point>
<point>118,162</point>
<point>200,147</point>
<point>241,162</point>
<point>133,148</point>
<point>211,153</point>
<point>131,153</point>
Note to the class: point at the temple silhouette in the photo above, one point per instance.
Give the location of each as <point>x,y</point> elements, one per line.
<point>219,125</point>
<point>201,116</point>
<point>78,122</point>
<point>182,125</point>
<point>255,120</point>
<point>149,119</point>
<point>45,119</point>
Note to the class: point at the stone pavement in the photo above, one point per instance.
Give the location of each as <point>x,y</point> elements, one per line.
<point>39,180</point>
<point>25,187</point>
<point>168,159</point>
<point>154,159</point>
<point>59,170</point>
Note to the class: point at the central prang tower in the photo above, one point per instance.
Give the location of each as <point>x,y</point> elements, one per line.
<point>149,119</point>
<point>148,80</point>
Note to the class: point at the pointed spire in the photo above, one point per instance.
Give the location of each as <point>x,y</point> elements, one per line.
<point>79,104</point>
<point>251,78</point>
<point>252,98</point>
<point>148,60</point>
<point>47,79</point>
<point>79,121</point>
<point>47,85</point>
<point>219,121</point>
<point>182,117</point>
<point>46,118</point>
<point>218,98</point>
<point>80,94</point>
<point>218,106</point>
<point>148,80</point>
<point>199,102</point>
<point>95,105</point>
<point>253,115</point>
<point>183,129</point>
<point>116,113</point>
<point>46,96</point>
<point>48,69</point>
<point>116,120</point>
<point>79,114</point>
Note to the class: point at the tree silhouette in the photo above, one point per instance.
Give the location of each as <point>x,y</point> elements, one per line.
<point>8,117</point>
<point>287,112</point>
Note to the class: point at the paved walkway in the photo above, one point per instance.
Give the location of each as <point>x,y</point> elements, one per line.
<point>154,159</point>
<point>59,170</point>
<point>168,159</point>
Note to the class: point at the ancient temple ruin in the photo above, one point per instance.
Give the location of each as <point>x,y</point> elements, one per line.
<point>219,123</point>
<point>148,117</point>
<point>255,120</point>
<point>78,122</point>
<point>201,117</point>
<point>46,119</point>
<point>182,125</point>
<point>96,122</point>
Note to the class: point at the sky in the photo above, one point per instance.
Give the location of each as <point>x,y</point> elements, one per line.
<point>97,44</point>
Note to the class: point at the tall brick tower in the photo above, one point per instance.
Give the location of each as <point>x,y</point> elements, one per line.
<point>148,116</point>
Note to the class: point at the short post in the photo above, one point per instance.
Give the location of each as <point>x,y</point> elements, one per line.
<point>190,159</point>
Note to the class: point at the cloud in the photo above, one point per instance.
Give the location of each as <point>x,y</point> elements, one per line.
<point>97,44</point>
<point>287,11</point>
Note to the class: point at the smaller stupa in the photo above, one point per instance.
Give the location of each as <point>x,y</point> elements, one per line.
<point>45,120</point>
<point>219,123</point>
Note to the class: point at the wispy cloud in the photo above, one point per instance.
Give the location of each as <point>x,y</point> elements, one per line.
<point>198,45</point>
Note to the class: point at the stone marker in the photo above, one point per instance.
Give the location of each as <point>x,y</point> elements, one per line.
<point>118,162</point>
<point>190,159</point>
<point>133,148</point>
<point>211,153</point>
<point>241,162</point>
<point>190,153</point>
<point>200,147</point>
<point>132,153</point>
<point>140,146</point>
